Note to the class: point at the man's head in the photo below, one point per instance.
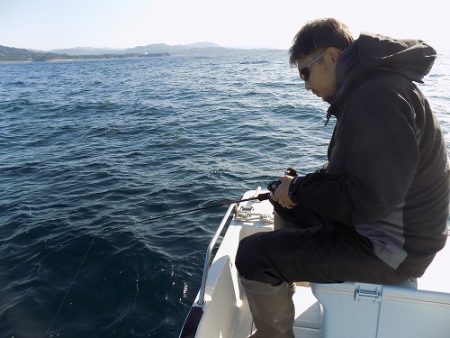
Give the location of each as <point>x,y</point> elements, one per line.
<point>315,52</point>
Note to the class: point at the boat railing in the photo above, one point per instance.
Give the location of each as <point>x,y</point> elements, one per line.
<point>208,257</point>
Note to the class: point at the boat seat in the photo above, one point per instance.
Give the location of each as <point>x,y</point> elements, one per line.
<point>419,308</point>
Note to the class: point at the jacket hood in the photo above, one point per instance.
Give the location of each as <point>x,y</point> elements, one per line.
<point>411,58</point>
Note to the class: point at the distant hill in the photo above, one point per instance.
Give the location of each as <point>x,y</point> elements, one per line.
<point>86,51</point>
<point>192,48</point>
<point>159,49</point>
<point>19,54</point>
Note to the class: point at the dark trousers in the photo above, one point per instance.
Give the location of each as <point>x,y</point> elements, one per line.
<point>322,253</point>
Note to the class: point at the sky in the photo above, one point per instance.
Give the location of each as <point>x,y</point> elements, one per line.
<point>53,24</point>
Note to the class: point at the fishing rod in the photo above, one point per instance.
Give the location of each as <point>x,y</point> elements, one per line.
<point>260,197</point>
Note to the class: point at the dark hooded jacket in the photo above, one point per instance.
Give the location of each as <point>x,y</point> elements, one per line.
<point>388,173</point>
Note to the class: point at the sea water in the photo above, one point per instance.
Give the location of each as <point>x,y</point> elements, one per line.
<point>91,150</point>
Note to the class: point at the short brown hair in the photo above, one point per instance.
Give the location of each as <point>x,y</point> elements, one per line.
<point>319,35</point>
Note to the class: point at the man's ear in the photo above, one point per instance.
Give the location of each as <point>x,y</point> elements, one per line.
<point>333,54</point>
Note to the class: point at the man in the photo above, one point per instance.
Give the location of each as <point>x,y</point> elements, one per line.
<point>377,213</point>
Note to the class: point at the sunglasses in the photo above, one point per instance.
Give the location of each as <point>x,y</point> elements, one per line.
<point>305,72</point>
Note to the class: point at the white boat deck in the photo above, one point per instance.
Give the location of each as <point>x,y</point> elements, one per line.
<point>308,314</point>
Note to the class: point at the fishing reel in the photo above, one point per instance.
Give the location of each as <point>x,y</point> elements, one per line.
<point>272,186</point>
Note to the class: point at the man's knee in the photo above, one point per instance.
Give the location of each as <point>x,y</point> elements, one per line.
<point>252,262</point>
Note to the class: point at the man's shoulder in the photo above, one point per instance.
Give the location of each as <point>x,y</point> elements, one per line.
<point>383,81</point>
<point>380,89</point>
<point>382,97</point>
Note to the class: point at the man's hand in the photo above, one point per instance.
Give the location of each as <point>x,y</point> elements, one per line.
<point>280,195</point>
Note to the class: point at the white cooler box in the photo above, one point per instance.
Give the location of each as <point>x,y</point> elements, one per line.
<point>358,310</point>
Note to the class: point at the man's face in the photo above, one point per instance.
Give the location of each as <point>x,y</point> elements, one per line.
<point>318,72</point>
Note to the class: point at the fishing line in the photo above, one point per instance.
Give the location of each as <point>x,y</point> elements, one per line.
<point>260,197</point>
<point>70,286</point>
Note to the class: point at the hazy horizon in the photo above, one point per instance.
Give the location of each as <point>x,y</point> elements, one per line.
<point>193,45</point>
<point>51,24</point>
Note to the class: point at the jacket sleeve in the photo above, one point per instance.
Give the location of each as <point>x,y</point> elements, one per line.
<point>373,161</point>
